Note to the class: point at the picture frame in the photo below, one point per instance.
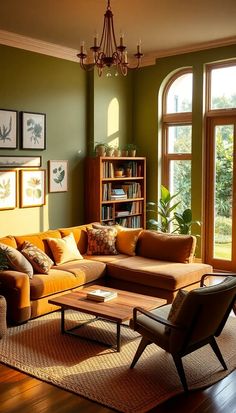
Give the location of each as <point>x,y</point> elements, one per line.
<point>20,161</point>
<point>58,176</point>
<point>33,130</point>
<point>8,129</point>
<point>8,189</point>
<point>32,188</point>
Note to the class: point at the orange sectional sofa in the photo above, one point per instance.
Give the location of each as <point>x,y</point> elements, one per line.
<point>160,265</point>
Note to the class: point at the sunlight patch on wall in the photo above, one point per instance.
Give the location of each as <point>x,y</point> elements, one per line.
<point>113,122</point>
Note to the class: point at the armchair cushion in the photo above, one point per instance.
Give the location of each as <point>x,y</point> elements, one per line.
<point>175,307</point>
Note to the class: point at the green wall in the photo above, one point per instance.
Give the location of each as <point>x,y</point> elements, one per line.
<point>110,109</point>
<point>148,87</point>
<point>38,83</point>
<point>77,106</point>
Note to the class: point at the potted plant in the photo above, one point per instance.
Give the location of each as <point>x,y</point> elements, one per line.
<point>100,149</point>
<point>184,221</point>
<point>131,148</point>
<point>117,151</point>
<point>119,171</point>
<point>109,150</point>
<point>164,209</point>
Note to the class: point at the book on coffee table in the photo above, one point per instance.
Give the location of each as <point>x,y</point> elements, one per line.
<point>101,295</point>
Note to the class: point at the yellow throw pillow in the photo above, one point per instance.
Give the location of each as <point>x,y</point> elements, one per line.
<point>126,240</point>
<point>64,249</point>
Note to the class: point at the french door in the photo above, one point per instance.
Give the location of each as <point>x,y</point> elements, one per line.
<point>220,197</point>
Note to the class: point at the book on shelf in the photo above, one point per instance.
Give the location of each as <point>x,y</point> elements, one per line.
<point>122,213</point>
<point>101,295</point>
<point>117,191</point>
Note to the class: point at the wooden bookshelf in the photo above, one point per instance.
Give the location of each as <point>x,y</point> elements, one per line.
<point>117,199</point>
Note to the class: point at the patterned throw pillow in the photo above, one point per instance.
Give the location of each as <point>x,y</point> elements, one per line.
<point>176,305</point>
<point>64,249</point>
<point>11,258</point>
<point>101,241</point>
<point>39,260</point>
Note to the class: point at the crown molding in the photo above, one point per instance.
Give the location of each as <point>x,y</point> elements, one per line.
<point>152,57</point>
<point>38,46</point>
<point>54,50</point>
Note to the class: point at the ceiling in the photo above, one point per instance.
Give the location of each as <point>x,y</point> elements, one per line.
<point>165,27</point>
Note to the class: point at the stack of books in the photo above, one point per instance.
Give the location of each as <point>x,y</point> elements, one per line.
<point>118,193</point>
<point>101,295</point>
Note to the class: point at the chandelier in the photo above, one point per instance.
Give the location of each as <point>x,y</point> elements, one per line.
<point>107,53</point>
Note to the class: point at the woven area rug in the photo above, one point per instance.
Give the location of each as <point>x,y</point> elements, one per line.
<point>103,375</point>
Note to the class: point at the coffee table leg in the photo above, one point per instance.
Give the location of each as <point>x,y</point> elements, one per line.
<point>118,338</point>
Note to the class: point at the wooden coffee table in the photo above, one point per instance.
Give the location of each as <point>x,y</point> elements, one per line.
<point>118,310</point>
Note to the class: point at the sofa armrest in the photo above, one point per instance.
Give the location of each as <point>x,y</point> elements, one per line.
<point>15,286</point>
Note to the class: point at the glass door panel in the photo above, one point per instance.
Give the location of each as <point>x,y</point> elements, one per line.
<point>223,191</point>
<point>221,194</point>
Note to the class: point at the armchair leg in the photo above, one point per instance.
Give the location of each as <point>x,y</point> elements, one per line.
<point>142,345</point>
<point>180,369</point>
<point>217,352</point>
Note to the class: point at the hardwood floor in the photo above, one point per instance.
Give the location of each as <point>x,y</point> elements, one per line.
<point>20,393</point>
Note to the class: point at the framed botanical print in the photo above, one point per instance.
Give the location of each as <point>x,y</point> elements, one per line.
<point>20,161</point>
<point>33,130</point>
<point>8,129</point>
<point>33,188</point>
<point>8,192</point>
<point>58,176</point>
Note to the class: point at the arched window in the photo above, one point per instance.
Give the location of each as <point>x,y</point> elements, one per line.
<point>177,135</point>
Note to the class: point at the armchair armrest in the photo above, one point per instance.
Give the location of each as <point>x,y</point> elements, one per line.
<point>215,274</point>
<point>155,317</point>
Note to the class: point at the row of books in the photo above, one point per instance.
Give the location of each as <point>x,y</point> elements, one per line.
<point>125,191</point>
<point>129,208</point>
<point>109,168</point>
<point>130,222</point>
<point>106,212</point>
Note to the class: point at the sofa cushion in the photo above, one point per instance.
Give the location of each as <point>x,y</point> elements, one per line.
<point>40,261</point>
<point>126,240</point>
<point>80,234</point>
<point>9,240</point>
<point>55,281</point>
<point>15,260</point>
<point>157,274</point>
<point>85,270</point>
<point>64,249</point>
<point>102,241</point>
<point>65,277</point>
<point>166,247</point>
<point>39,240</point>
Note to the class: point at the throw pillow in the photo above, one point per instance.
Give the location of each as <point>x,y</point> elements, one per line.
<point>102,241</point>
<point>175,308</point>
<point>64,249</point>
<point>126,240</point>
<point>39,260</point>
<point>11,258</point>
